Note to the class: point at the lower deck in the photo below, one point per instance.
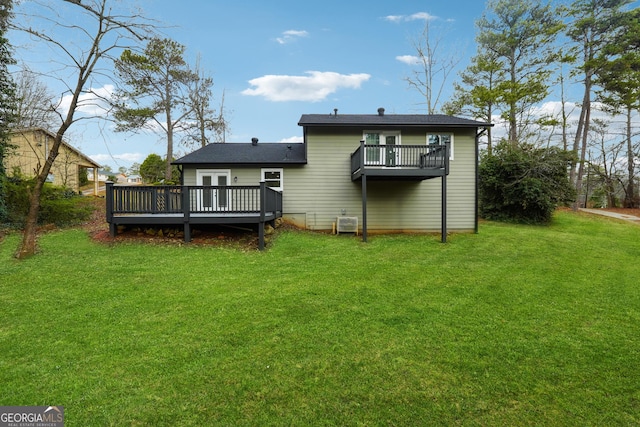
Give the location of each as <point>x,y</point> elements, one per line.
<point>192,205</point>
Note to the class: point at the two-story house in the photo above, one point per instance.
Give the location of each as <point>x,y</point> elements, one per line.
<point>383,172</point>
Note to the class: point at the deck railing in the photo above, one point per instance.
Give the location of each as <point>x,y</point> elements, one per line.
<point>191,199</point>
<point>400,156</point>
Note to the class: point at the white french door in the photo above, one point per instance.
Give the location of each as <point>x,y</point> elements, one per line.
<point>212,199</point>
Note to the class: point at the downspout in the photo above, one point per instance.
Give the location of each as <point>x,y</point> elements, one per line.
<point>364,192</point>
<point>476,205</point>
<point>443,197</point>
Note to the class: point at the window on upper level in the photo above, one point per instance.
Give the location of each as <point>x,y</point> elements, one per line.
<point>441,139</point>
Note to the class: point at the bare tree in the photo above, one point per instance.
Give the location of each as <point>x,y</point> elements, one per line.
<point>430,78</point>
<point>200,95</point>
<point>102,32</point>
<point>35,106</point>
<point>605,161</point>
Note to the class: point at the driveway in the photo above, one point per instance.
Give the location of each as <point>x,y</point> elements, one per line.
<point>610,214</point>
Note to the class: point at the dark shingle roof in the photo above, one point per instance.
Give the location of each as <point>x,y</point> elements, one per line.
<point>266,154</point>
<point>399,120</point>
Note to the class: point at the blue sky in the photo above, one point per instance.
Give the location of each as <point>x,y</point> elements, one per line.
<point>277,60</point>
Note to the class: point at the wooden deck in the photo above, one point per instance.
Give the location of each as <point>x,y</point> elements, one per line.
<point>399,162</point>
<point>187,205</point>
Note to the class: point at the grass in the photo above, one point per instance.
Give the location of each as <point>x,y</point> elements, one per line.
<point>518,325</point>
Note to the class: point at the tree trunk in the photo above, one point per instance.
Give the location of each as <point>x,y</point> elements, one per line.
<point>582,134</point>
<point>167,171</point>
<point>583,148</point>
<point>28,245</point>
<point>513,121</point>
<point>169,159</point>
<point>630,200</point>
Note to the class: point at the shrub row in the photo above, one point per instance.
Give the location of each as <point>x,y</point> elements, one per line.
<point>58,205</point>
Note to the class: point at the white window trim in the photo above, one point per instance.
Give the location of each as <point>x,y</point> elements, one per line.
<point>443,133</point>
<point>201,172</point>
<point>280,170</point>
<point>383,134</point>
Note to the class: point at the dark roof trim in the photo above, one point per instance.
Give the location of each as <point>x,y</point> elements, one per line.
<point>382,120</point>
<point>246,154</point>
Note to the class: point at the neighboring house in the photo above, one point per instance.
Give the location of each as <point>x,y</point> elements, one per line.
<point>31,147</point>
<point>387,172</point>
<point>103,175</point>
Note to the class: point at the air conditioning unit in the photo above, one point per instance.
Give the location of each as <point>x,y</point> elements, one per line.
<point>347,224</point>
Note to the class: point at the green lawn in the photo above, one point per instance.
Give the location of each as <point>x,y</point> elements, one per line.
<point>517,325</point>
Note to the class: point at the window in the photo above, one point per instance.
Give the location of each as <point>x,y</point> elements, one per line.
<point>273,178</point>
<point>372,153</point>
<point>441,139</point>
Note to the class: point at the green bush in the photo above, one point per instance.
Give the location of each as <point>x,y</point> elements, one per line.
<point>58,205</point>
<point>523,183</point>
<point>83,178</point>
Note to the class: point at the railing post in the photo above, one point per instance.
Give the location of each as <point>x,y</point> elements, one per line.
<point>154,199</point>
<point>109,208</point>
<point>362,154</point>
<point>186,211</point>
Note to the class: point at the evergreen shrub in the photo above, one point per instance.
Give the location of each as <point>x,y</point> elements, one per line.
<point>524,183</point>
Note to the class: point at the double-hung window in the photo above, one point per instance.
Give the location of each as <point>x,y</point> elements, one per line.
<point>273,178</point>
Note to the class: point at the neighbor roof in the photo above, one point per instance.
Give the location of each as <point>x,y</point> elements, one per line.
<point>266,154</point>
<point>88,161</point>
<point>405,120</point>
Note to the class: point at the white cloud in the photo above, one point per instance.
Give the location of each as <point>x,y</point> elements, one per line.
<point>420,16</point>
<point>313,87</point>
<point>408,59</point>
<point>92,103</point>
<point>293,139</point>
<point>291,36</point>
<point>394,18</point>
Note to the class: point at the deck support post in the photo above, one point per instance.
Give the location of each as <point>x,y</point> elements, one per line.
<point>263,208</point>
<point>261,235</point>
<point>447,151</point>
<point>444,209</point>
<point>364,207</point>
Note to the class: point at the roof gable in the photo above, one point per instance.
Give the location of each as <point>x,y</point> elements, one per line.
<point>33,131</point>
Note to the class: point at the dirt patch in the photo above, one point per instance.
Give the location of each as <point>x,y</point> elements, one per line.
<point>244,238</point>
